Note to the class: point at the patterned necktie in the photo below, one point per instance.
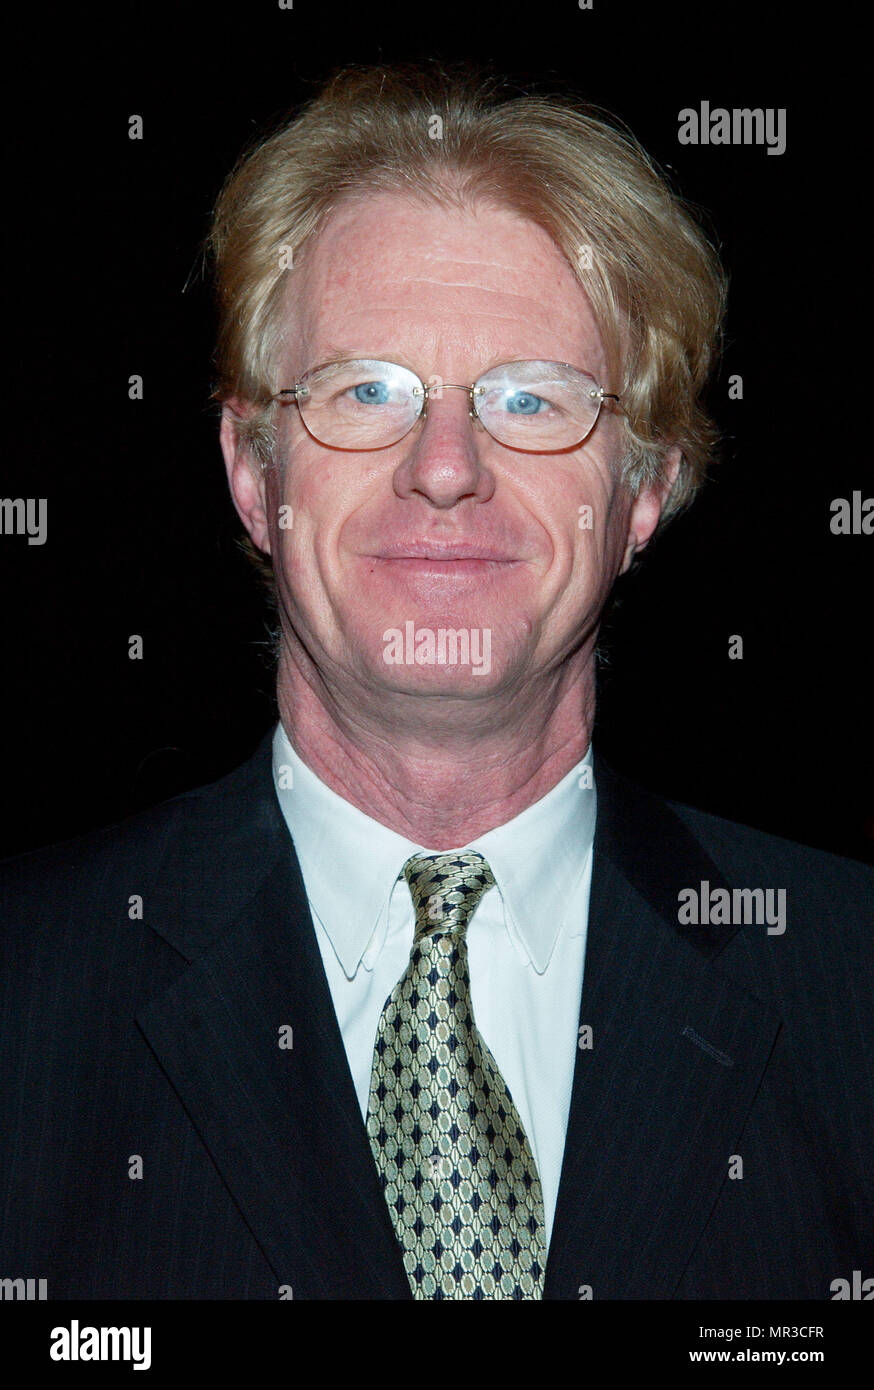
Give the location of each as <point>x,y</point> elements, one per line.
<point>456,1167</point>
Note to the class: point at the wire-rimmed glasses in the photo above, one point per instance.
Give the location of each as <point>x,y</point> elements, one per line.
<point>365,403</point>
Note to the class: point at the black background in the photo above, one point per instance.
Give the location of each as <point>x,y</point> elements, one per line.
<point>102,268</point>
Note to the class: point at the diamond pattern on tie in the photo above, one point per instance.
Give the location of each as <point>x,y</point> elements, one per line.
<point>456,1168</point>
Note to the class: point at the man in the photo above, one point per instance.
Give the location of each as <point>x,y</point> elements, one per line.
<point>424,1001</point>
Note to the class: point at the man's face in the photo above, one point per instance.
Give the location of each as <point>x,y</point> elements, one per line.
<point>446,529</point>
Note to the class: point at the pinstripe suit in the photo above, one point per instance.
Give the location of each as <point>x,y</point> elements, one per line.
<point>156,1037</point>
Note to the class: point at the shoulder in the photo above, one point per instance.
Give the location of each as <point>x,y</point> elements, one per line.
<point>731,877</point>
<point>811,951</point>
<point>172,847</point>
<point>648,824</point>
<point>747,852</point>
<point>820,891</point>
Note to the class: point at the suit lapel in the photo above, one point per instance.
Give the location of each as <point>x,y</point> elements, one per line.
<point>281,1124</point>
<point>659,1102</point>
<point>657,1107</point>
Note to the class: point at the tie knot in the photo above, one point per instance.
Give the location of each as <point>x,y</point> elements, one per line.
<point>445,889</point>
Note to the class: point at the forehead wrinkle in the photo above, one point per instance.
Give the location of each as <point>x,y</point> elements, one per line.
<point>438,266</point>
<point>360,290</point>
<point>430,254</point>
<point>519,316</point>
<point>444,330</point>
<point>467,287</point>
<point>405,282</point>
<point>512,266</point>
<point>425,347</point>
<point>450,319</point>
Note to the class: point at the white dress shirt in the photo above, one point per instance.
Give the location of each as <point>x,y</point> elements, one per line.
<point>526,939</point>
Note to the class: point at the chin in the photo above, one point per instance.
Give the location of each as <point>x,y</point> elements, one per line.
<point>446,657</point>
<point>454,685</point>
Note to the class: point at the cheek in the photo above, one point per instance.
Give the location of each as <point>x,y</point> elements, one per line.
<point>306,501</point>
<point>603,501</point>
<point>316,497</point>
<point>577,517</point>
<point>588,533</point>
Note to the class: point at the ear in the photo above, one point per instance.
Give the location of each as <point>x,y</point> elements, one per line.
<point>647,507</point>
<point>245,475</point>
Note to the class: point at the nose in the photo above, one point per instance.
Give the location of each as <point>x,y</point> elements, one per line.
<point>443,460</point>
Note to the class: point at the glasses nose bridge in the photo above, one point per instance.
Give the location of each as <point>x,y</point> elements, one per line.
<point>440,386</point>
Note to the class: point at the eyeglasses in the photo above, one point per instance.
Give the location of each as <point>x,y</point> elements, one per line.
<point>542,407</point>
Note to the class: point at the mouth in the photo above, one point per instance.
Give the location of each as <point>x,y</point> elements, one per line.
<point>457,558</point>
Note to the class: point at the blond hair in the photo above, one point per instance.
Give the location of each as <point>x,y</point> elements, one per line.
<point>654,281</point>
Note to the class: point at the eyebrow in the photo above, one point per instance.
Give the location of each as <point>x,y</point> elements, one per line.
<point>343,359</point>
<point>339,357</point>
<point>344,355</point>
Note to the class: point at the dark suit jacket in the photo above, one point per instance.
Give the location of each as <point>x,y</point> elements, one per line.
<point>159,1038</point>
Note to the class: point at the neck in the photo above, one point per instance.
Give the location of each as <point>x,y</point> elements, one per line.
<point>440,778</point>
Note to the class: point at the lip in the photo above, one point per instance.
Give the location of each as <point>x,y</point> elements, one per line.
<point>425,566</point>
<point>458,552</point>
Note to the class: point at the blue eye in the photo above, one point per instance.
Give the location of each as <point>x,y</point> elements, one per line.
<point>372,393</point>
<point>525,403</point>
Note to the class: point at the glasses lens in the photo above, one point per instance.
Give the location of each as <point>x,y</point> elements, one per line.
<point>541,406</point>
<point>361,404</point>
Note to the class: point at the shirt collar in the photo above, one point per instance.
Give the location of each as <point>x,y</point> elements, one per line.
<point>329,832</point>
<point>537,858</point>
